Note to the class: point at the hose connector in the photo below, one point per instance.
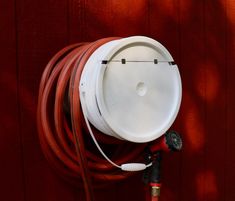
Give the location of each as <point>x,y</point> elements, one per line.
<point>155,190</point>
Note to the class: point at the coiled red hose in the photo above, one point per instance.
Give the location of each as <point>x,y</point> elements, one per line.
<point>64,142</point>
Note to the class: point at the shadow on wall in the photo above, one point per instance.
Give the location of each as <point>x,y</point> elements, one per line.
<point>195,34</point>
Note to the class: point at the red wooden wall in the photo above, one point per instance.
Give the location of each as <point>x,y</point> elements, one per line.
<point>200,34</point>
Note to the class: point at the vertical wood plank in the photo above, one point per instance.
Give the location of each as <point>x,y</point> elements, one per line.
<point>131,189</point>
<point>130,17</point>
<point>42,31</point>
<point>11,182</point>
<point>164,24</point>
<point>192,60</point>
<point>76,13</point>
<point>98,19</point>
<point>216,106</point>
<point>230,53</point>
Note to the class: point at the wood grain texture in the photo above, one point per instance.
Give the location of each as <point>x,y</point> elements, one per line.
<point>216,106</point>
<point>42,31</point>
<point>76,26</point>
<point>229,165</point>
<point>192,63</point>
<point>130,17</point>
<point>11,172</point>
<point>200,37</point>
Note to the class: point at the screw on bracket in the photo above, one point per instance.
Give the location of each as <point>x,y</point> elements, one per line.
<point>123,61</point>
<point>155,61</point>
<point>104,61</point>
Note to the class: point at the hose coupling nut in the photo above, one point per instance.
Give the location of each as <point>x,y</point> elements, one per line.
<point>155,191</point>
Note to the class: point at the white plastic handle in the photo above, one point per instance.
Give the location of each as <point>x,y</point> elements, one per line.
<point>131,167</point>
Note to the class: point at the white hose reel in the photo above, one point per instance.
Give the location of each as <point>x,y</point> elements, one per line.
<point>130,89</point>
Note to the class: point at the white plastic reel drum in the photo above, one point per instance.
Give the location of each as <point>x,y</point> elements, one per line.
<point>132,89</point>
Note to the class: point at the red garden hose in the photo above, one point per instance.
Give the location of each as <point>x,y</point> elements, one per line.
<point>64,143</point>
<point>64,136</point>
